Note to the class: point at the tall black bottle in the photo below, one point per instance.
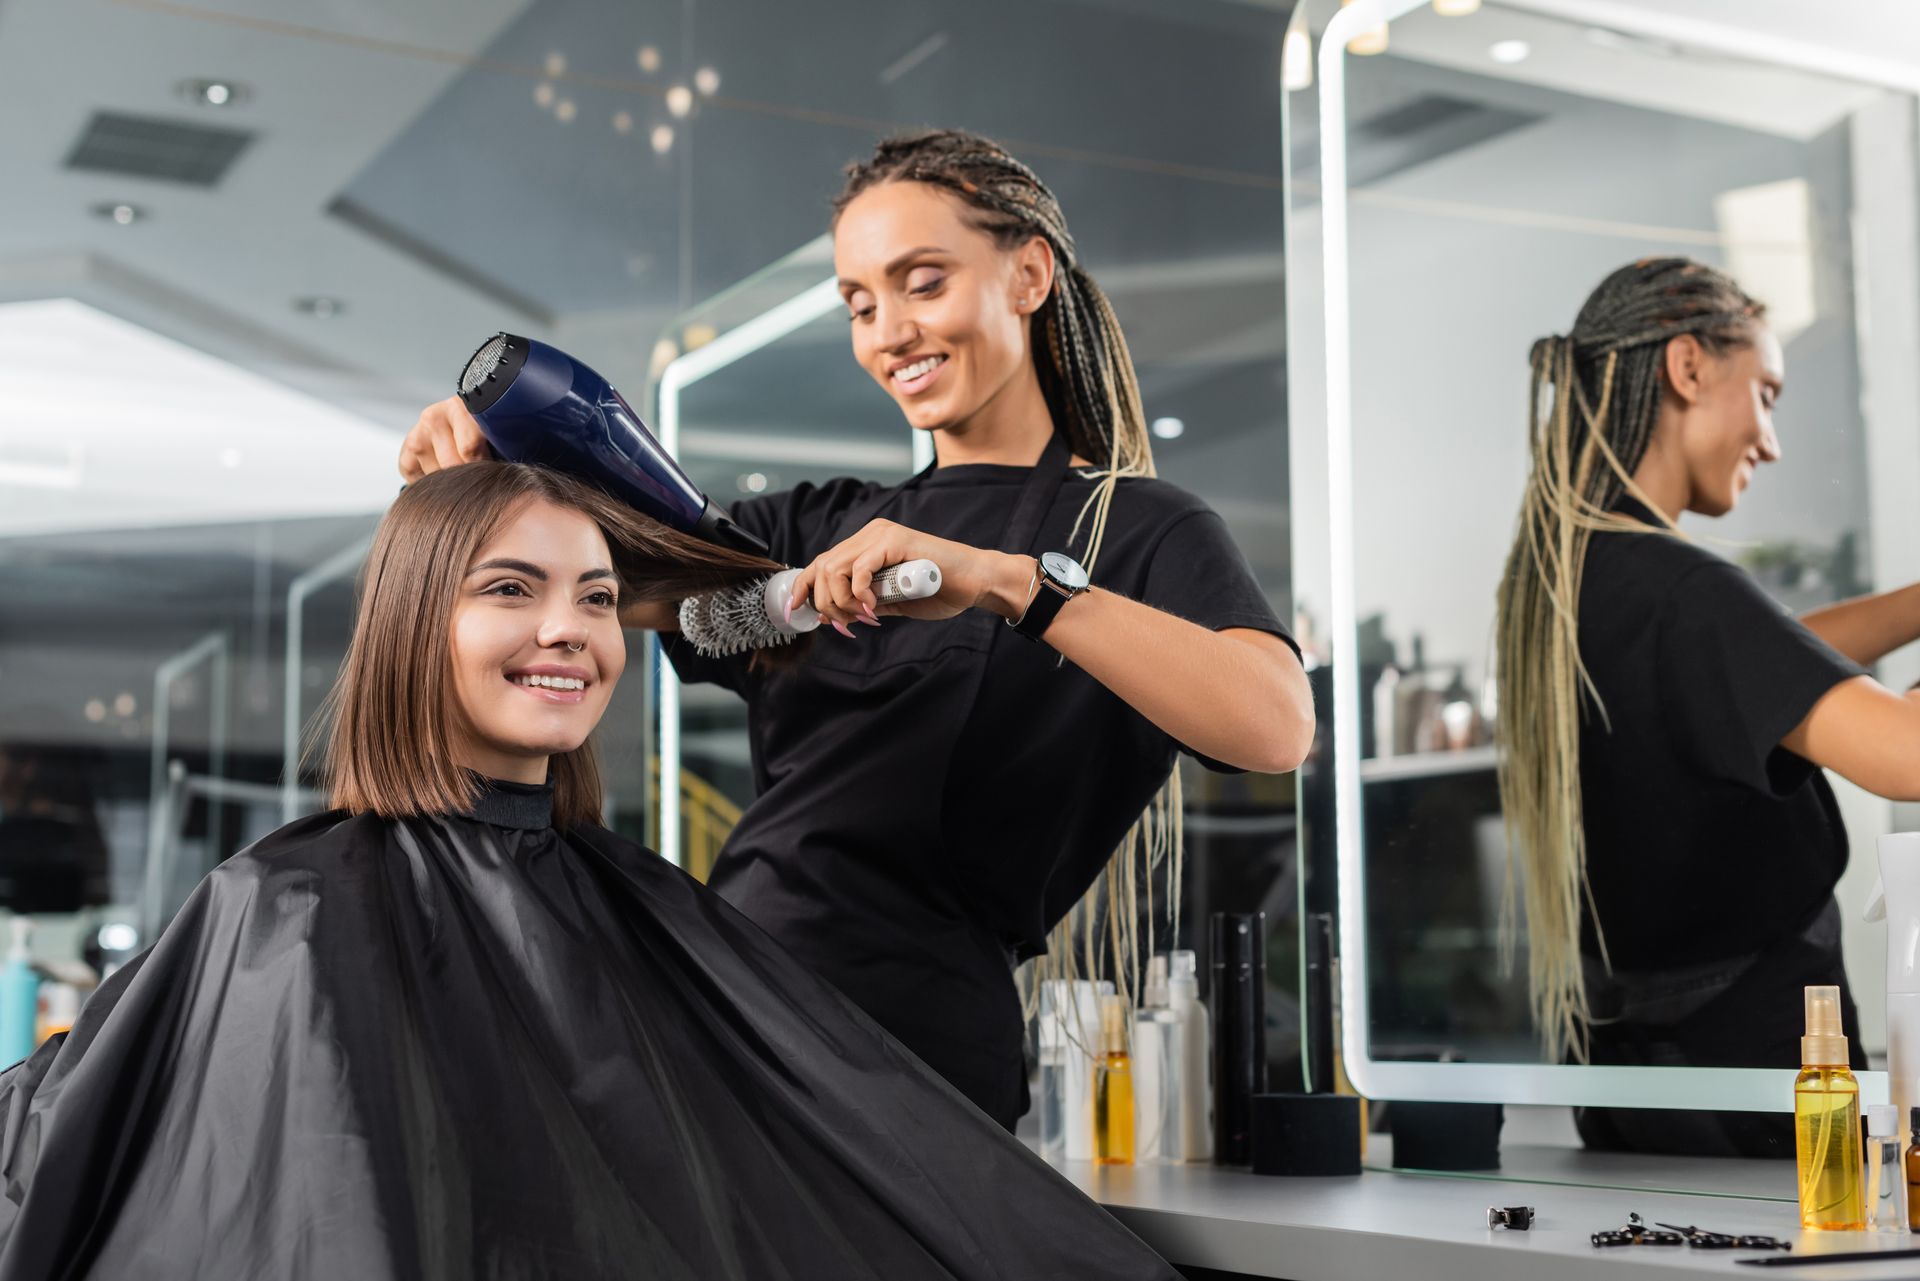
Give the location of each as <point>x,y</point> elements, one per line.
<point>1240,1042</point>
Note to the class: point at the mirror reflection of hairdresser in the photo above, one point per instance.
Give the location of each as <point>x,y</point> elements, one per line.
<point>1665,721</point>
<point>936,792</point>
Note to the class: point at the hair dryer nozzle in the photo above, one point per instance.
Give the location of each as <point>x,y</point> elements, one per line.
<point>536,404</point>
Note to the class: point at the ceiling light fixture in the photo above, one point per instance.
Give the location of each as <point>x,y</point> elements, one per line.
<point>119,212</point>
<point>707,81</point>
<point>1369,42</point>
<point>1509,51</point>
<point>648,58</point>
<point>1455,8</point>
<point>564,111</point>
<point>662,139</point>
<point>622,122</point>
<point>207,92</point>
<point>1169,428</point>
<point>679,101</point>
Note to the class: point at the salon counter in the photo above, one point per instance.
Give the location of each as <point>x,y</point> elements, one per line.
<point>1385,1225</point>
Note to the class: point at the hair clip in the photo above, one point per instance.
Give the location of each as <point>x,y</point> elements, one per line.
<point>1517,1218</point>
<point>1636,1233</point>
<point>1702,1239</point>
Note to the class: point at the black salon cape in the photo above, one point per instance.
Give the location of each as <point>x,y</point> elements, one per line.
<point>455,1048</point>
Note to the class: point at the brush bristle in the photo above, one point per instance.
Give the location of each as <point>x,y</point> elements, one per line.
<point>730,622</point>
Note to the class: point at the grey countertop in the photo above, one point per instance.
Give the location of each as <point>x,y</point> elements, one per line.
<point>1385,1224</point>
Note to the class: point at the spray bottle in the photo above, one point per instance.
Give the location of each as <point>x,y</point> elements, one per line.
<point>19,996</point>
<point>1896,899</point>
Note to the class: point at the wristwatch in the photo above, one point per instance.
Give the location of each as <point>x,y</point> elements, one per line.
<point>1058,580</point>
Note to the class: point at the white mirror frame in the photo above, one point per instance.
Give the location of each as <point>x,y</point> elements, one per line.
<point>1717,1089</point>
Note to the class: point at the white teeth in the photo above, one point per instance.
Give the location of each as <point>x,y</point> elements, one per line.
<point>550,682</point>
<point>907,373</point>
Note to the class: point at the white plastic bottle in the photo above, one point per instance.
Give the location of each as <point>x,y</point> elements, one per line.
<point>1897,899</point>
<point>1159,1071</point>
<point>1196,1113</point>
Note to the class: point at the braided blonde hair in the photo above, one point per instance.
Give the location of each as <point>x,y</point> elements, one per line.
<point>1604,382</point>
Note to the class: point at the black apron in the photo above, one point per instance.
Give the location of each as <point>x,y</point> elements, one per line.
<point>885,925</point>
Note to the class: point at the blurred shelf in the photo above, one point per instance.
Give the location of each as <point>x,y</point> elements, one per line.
<point>1429,764</point>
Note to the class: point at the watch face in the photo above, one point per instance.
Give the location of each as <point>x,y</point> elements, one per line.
<point>1065,571</point>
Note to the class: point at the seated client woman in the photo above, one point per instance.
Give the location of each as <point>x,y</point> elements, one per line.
<point>454,1028</point>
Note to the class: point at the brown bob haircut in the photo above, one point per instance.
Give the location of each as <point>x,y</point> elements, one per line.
<point>395,723</point>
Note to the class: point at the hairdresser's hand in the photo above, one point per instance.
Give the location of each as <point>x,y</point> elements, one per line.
<point>839,582</point>
<point>445,436</point>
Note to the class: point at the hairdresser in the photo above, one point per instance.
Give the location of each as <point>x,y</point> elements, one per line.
<point>940,783</point>
<point>1665,721</point>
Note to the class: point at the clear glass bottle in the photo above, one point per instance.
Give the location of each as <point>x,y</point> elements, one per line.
<point>1113,1087</point>
<point>1826,1121</point>
<point>1159,1071</point>
<point>1886,1193</point>
<point>1052,1040</point>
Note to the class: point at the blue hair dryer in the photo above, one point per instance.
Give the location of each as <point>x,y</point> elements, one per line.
<point>536,404</point>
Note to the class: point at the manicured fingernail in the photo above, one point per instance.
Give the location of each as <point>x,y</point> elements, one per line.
<point>844,630</point>
<point>866,612</point>
<point>789,611</point>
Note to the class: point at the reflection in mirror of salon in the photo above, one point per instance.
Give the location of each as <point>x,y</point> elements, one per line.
<point>1664,720</point>
<point>53,857</point>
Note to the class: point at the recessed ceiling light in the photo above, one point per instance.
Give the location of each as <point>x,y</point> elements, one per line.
<point>753,482</point>
<point>543,94</point>
<point>1455,8</point>
<point>1509,51</point>
<point>648,58</point>
<point>564,110</point>
<point>208,92</point>
<point>556,64</point>
<point>120,212</point>
<point>1169,428</point>
<point>679,101</point>
<point>319,306</point>
<point>707,81</point>
<point>622,122</point>
<point>662,138</point>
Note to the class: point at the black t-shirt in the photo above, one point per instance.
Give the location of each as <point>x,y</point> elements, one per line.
<point>934,796</point>
<point>1706,840</point>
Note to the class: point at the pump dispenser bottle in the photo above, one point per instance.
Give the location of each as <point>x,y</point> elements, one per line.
<point>1113,1087</point>
<point>1196,1093</point>
<point>1159,1069</point>
<point>1826,1121</point>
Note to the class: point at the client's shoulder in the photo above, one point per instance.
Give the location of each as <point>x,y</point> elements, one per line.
<point>305,844</point>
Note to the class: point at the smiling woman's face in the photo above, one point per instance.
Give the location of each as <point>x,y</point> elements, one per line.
<point>939,310</point>
<point>541,586</point>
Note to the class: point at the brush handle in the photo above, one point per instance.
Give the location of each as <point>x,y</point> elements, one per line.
<point>909,580</point>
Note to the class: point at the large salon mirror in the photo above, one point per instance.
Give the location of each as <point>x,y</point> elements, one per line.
<point>1459,185</point>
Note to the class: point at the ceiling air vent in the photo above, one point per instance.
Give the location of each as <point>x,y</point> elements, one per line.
<point>150,147</point>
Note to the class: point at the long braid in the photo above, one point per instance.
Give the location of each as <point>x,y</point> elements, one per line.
<point>1604,383</point>
<point>1086,375</point>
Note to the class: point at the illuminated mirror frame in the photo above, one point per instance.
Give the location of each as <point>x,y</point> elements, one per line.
<point>1716,1089</point>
